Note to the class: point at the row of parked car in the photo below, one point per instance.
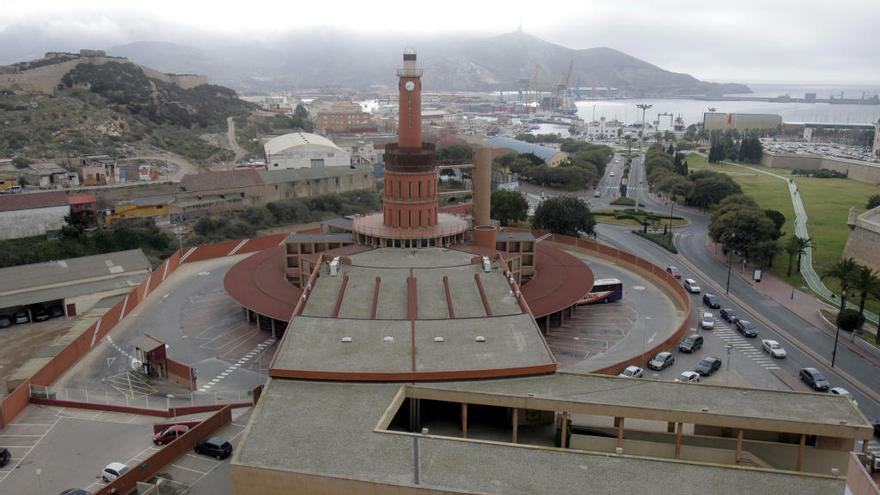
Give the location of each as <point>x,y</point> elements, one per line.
<point>213,447</point>
<point>38,312</point>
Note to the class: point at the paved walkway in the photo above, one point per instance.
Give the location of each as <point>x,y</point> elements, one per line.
<point>814,281</point>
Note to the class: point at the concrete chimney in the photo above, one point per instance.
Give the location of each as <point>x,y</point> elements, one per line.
<point>482,185</point>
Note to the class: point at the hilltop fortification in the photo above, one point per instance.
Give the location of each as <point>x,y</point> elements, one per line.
<point>44,75</point>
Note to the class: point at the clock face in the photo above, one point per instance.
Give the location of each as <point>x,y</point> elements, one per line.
<point>410,85</point>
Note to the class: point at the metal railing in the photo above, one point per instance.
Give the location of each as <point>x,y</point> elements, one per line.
<point>159,401</point>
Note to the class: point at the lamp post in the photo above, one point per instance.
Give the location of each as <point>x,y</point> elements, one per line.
<point>729,263</point>
<point>837,331</point>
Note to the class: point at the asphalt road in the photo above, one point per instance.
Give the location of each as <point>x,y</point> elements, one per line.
<point>695,261</point>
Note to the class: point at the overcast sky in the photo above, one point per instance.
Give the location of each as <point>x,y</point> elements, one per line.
<point>733,40</point>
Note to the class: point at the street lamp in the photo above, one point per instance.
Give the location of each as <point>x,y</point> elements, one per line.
<point>837,331</point>
<point>729,348</point>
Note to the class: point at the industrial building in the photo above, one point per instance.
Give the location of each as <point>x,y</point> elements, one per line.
<point>740,121</point>
<point>304,150</point>
<point>344,117</point>
<point>27,215</point>
<point>413,362</point>
<point>76,284</point>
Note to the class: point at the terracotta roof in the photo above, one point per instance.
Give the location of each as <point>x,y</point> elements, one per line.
<point>81,199</point>
<point>16,202</point>
<point>211,181</point>
<point>560,280</point>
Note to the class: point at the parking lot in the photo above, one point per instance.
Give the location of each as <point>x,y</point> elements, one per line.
<point>54,449</point>
<point>20,342</point>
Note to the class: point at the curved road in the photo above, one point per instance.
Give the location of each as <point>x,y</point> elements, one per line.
<point>807,345</point>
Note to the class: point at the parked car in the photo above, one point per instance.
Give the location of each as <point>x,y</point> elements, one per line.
<point>691,286</point>
<point>5,456</point>
<point>691,343</point>
<point>169,434</point>
<point>711,300</point>
<point>21,316</point>
<point>113,471</point>
<point>56,311</point>
<point>708,321</point>
<point>39,313</point>
<point>688,377</point>
<point>632,372</point>
<point>75,491</point>
<point>597,193</point>
<point>814,378</point>
<point>844,392</point>
<point>708,365</point>
<point>746,328</point>
<point>214,447</point>
<point>5,321</point>
<point>773,348</point>
<point>728,315</point>
<point>673,271</point>
<point>661,361</point>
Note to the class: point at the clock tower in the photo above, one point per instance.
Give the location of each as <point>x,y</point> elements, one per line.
<point>410,90</point>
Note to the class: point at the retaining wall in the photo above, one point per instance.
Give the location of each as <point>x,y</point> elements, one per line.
<point>854,169</point>
<point>669,284</point>
<point>147,468</point>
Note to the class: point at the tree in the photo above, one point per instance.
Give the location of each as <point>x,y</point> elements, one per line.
<point>710,190</point>
<point>844,270</point>
<point>745,230</point>
<point>564,215</point>
<point>873,202</point>
<point>795,247</point>
<point>508,206</point>
<point>865,282</point>
<point>778,219</point>
<point>849,320</point>
<point>762,252</point>
<point>716,153</point>
<point>675,185</point>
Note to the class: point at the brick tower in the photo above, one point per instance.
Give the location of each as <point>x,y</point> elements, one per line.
<point>410,199</point>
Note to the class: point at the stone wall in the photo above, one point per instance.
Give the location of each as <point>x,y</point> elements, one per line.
<point>28,223</point>
<point>864,240</point>
<point>856,170</point>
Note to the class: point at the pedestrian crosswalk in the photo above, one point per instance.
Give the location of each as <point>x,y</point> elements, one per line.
<point>729,335</point>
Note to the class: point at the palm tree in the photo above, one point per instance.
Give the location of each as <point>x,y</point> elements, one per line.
<point>796,246</point>
<point>805,243</point>
<point>844,270</point>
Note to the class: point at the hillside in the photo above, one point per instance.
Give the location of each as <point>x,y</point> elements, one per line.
<point>332,58</point>
<point>115,108</point>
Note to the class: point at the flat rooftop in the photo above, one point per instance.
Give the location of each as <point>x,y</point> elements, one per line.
<point>330,429</point>
<point>40,282</point>
<point>395,304</point>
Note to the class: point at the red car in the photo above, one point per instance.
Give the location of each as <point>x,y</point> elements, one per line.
<point>169,434</point>
<point>673,271</point>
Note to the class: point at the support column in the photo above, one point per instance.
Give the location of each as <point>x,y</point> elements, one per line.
<point>679,427</point>
<point>800,455</point>
<point>415,419</point>
<point>464,421</point>
<point>739,446</point>
<point>620,432</point>
<point>516,426</point>
<point>563,438</point>
<point>547,325</point>
<point>562,318</point>
<point>274,333</point>
<point>259,323</point>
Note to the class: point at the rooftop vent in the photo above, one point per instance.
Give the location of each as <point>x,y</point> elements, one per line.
<point>480,338</point>
<point>388,339</point>
<point>487,265</point>
<point>439,339</point>
<point>334,267</point>
<point>345,340</point>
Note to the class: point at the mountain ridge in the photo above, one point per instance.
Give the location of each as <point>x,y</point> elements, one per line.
<point>328,59</point>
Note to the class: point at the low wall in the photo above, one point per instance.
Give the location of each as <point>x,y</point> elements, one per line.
<point>669,284</point>
<point>854,169</point>
<point>180,373</point>
<point>172,412</point>
<point>858,481</point>
<point>147,468</point>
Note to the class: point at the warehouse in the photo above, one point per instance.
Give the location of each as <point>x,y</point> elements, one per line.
<point>304,150</point>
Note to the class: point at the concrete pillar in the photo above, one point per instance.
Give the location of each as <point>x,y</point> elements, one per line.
<point>563,438</point>
<point>274,333</point>
<point>739,446</point>
<point>620,432</point>
<point>678,431</point>
<point>464,422</point>
<point>482,185</point>
<point>800,454</point>
<point>516,426</point>
<point>415,417</point>
<point>562,318</point>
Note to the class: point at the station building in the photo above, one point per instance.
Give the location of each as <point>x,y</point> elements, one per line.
<point>412,361</point>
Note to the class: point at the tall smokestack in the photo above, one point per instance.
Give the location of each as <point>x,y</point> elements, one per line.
<point>482,185</point>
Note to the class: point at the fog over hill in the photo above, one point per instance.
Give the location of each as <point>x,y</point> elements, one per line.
<point>326,59</point>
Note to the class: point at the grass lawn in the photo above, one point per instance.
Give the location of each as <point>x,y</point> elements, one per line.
<point>827,202</point>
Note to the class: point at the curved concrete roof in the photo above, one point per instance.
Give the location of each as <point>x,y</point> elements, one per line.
<point>294,139</point>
